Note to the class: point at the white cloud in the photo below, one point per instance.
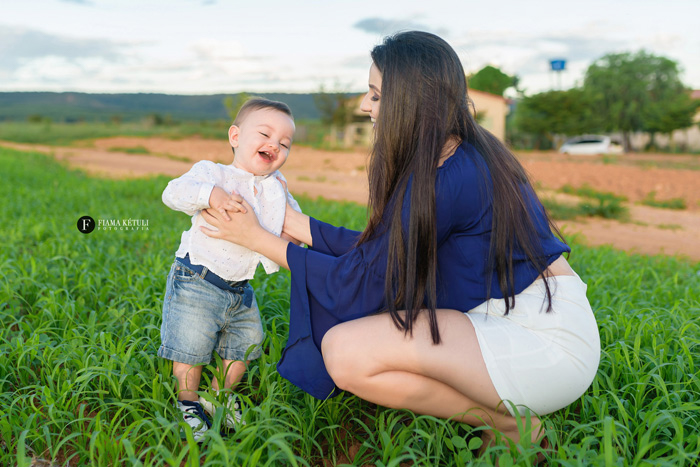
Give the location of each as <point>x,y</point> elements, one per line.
<point>50,68</point>
<point>527,54</point>
<point>200,46</point>
<point>385,26</point>
<point>218,50</point>
<point>19,45</point>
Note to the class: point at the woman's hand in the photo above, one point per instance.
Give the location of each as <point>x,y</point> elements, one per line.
<point>243,228</point>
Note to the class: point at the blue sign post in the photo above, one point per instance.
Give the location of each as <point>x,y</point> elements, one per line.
<point>558,65</point>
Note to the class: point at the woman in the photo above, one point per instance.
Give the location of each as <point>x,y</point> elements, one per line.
<point>455,301</point>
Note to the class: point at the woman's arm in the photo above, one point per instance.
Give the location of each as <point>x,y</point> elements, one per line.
<point>297,225</point>
<point>245,230</point>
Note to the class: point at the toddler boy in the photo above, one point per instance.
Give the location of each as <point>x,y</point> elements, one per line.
<point>209,305</point>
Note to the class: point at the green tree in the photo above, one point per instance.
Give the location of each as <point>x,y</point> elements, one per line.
<point>234,104</point>
<point>674,113</point>
<point>552,113</point>
<point>336,108</point>
<point>491,79</point>
<point>636,92</point>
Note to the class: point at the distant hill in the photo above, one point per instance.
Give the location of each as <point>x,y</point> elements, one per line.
<point>78,106</point>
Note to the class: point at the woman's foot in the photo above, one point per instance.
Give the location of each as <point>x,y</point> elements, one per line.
<point>546,452</point>
<point>489,439</point>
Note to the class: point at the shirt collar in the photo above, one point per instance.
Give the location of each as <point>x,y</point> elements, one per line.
<point>247,175</point>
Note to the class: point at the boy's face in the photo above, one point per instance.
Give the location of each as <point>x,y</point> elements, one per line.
<point>262,141</point>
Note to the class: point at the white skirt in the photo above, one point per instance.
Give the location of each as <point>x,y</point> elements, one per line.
<point>538,360</point>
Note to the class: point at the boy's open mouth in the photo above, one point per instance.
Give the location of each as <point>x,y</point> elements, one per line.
<point>267,156</point>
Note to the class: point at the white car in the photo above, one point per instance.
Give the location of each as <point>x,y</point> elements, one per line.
<point>589,145</point>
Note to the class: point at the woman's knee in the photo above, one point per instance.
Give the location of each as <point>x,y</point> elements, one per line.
<point>339,356</point>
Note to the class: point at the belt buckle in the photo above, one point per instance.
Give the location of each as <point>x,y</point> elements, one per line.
<point>234,283</point>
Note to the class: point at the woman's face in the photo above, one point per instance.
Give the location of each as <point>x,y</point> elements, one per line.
<point>370,103</point>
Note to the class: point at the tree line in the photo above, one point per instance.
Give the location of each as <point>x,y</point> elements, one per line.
<point>621,92</point>
<point>75,107</point>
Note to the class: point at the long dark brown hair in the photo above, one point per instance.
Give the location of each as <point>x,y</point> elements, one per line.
<point>424,105</point>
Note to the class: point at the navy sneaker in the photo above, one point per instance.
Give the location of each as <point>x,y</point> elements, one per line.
<point>194,416</point>
<point>233,411</point>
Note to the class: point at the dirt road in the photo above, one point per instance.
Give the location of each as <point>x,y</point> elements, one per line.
<point>342,176</point>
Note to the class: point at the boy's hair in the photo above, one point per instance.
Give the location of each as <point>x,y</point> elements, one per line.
<point>258,103</point>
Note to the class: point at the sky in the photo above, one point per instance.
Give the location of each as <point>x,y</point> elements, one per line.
<point>230,46</point>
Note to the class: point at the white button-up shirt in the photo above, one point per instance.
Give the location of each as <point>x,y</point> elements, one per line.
<point>190,194</point>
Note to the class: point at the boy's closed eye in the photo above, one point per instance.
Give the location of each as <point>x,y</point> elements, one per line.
<point>285,146</point>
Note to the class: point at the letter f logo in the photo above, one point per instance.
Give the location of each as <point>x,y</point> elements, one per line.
<point>86,224</point>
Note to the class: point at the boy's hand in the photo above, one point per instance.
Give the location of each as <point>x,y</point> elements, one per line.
<point>245,231</point>
<point>222,202</point>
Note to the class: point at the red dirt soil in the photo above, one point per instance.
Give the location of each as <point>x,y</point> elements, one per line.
<point>342,176</point>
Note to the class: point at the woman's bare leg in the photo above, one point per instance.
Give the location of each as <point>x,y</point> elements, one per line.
<point>374,360</point>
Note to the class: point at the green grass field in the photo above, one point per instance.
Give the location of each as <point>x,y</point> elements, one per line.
<point>309,132</point>
<point>64,134</point>
<point>80,383</point>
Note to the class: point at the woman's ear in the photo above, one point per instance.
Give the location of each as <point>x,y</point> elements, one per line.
<point>233,133</point>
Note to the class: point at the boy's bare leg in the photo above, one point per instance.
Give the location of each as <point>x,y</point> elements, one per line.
<point>188,377</point>
<point>234,373</point>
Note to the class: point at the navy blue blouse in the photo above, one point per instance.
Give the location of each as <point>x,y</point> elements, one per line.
<point>336,281</point>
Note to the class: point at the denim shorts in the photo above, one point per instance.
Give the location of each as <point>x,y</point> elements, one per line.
<point>199,317</point>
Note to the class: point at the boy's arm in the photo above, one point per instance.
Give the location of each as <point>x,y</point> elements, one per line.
<point>191,192</point>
